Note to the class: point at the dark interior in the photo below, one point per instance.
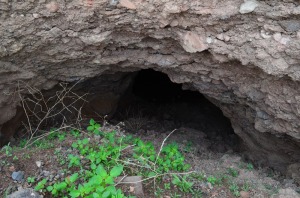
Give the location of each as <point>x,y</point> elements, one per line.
<point>154,97</point>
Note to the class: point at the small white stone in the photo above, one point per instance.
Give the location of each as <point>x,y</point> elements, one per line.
<point>277,36</point>
<point>209,40</point>
<point>260,19</point>
<point>38,164</point>
<point>220,37</point>
<point>35,15</point>
<point>284,40</point>
<point>174,23</point>
<point>248,6</point>
<point>226,38</point>
<point>264,34</point>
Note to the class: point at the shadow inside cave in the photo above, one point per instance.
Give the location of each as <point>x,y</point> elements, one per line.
<point>154,103</point>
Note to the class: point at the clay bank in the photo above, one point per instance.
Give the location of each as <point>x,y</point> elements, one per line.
<point>241,55</point>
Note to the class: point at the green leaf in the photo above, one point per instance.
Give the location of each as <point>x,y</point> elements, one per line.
<point>85,141</point>
<point>87,189</point>
<point>116,171</point>
<point>90,128</point>
<point>92,122</point>
<point>73,177</point>
<point>61,186</point>
<point>96,195</point>
<point>49,188</point>
<point>74,193</point>
<point>111,189</point>
<point>54,191</point>
<point>151,174</point>
<point>101,171</point>
<point>93,166</point>
<point>74,145</point>
<point>100,189</point>
<point>109,180</point>
<point>97,126</point>
<point>106,194</point>
<point>176,180</point>
<point>44,181</point>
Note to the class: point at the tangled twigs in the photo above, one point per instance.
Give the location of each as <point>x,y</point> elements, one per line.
<point>41,110</point>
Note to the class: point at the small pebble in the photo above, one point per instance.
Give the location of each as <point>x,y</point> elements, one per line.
<point>18,176</point>
<point>39,164</point>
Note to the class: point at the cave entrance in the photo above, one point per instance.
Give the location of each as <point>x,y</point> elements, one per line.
<point>149,104</point>
<point>154,103</point>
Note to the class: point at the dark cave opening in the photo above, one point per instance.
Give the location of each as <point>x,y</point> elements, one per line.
<point>149,101</point>
<point>156,103</point>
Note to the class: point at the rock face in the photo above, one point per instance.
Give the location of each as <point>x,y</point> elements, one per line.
<point>246,62</point>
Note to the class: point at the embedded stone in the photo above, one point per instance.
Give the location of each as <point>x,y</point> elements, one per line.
<point>248,6</point>
<point>127,4</point>
<point>193,43</point>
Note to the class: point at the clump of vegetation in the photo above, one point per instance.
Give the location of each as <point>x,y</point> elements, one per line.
<point>95,167</point>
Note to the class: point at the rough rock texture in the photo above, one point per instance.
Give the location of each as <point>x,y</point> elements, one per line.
<point>247,64</point>
<point>25,193</point>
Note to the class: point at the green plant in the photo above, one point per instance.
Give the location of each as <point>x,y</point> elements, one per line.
<point>234,188</point>
<point>176,195</point>
<point>62,162</point>
<point>53,134</point>
<point>62,136</point>
<point>27,156</point>
<point>182,183</point>
<point>94,127</point>
<point>197,194</point>
<point>246,187</point>
<point>100,184</point>
<point>117,154</point>
<point>30,179</point>
<point>15,158</point>
<point>212,180</point>
<point>73,160</point>
<point>233,172</point>
<point>172,159</point>
<point>167,186</point>
<point>40,185</point>
<point>43,144</point>
<point>23,143</point>
<point>158,192</point>
<point>198,176</point>
<point>75,133</point>
<point>250,167</point>
<point>8,150</point>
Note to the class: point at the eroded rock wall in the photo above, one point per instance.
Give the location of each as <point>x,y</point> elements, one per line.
<point>246,59</point>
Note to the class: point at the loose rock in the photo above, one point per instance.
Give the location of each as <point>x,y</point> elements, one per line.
<point>25,193</point>
<point>18,176</point>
